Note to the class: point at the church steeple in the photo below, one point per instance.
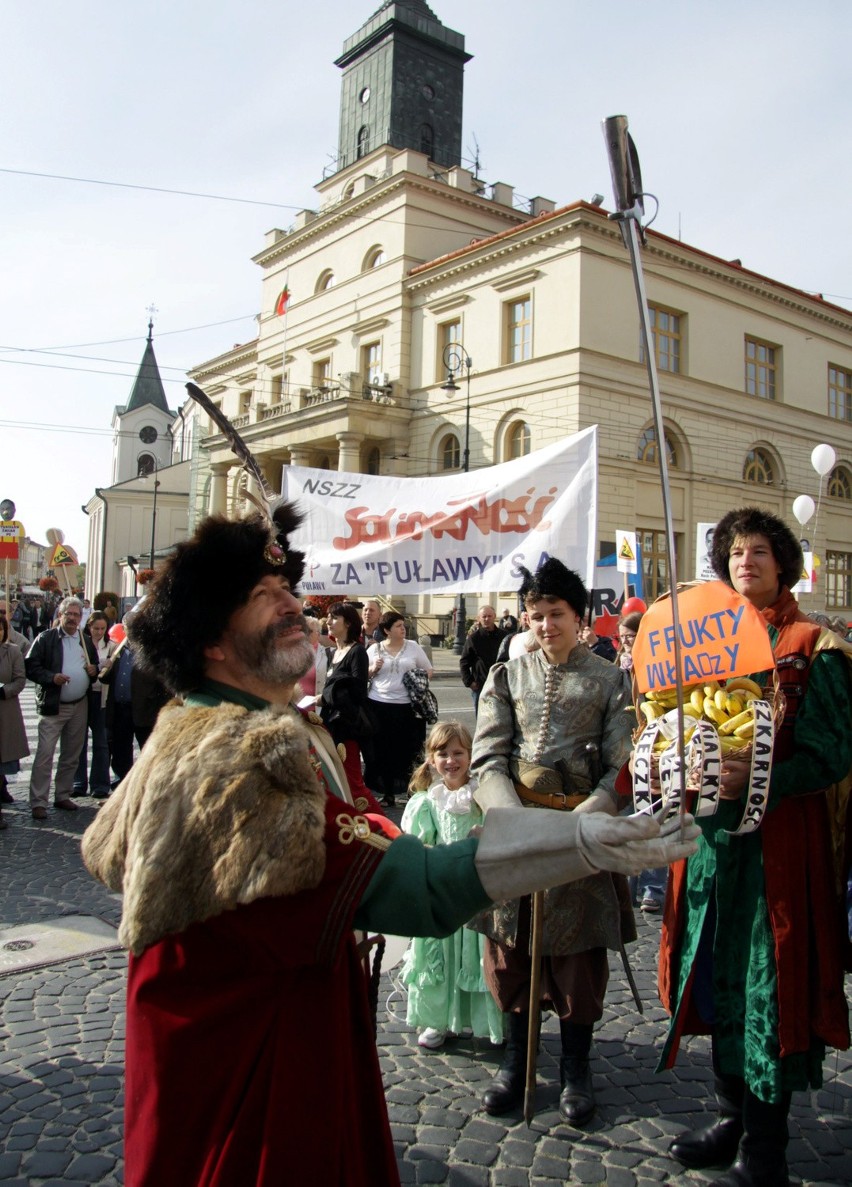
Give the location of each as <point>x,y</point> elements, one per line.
<point>403,85</point>
<point>148,388</point>
<point>142,427</point>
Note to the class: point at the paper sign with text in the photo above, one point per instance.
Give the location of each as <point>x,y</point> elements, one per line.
<point>805,584</point>
<point>456,533</point>
<point>626,552</point>
<point>721,635</point>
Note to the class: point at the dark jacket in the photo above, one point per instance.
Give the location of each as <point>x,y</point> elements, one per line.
<point>147,697</point>
<point>479,655</point>
<point>44,661</point>
<point>344,697</point>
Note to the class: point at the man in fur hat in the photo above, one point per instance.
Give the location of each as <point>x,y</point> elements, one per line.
<point>553,732</point>
<point>245,867</point>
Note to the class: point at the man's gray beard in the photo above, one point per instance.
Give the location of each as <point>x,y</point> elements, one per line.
<point>272,664</point>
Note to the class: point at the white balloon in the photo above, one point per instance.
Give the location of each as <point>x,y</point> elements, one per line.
<point>822,459</point>
<point>803,508</point>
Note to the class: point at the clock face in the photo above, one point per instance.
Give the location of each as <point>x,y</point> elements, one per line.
<point>148,434</point>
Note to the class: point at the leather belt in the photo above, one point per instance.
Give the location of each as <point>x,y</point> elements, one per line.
<point>550,799</point>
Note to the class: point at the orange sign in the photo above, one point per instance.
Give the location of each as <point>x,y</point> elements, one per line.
<point>721,635</point>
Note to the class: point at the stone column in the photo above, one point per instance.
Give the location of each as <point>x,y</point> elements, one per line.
<point>350,452</point>
<point>219,488</point>
<point>299,456</point>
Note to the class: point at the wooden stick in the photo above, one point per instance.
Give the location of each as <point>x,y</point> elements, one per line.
<point>535,1011</point>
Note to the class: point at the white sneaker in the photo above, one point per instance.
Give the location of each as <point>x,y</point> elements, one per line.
<point>431,1038</point>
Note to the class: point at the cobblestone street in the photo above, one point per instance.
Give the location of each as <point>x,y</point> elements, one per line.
<point>62,1042</point>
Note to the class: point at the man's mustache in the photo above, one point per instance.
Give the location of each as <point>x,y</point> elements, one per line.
<point>287,624</point>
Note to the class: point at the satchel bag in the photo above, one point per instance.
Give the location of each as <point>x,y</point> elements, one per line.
<point>423,700</point>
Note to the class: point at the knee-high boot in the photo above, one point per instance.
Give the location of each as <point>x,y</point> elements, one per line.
<point>577,1099</point>
<point>762,1157</point>
<point>506,1090</point>
<point>716,1144</point>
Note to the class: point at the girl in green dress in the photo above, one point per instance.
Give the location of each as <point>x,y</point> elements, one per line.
<point>446,990</point>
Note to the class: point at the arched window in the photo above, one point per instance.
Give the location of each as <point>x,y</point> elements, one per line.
<point>324,463</point>
<point>646,450</point>
<point>449,452</point>
<point>363,141</point>
<point>518,440</point>
<point>427,139</point>
<point>374,461</point>
<point>326,281</point>
<point>759,468</point>
<point>374,258</point>
<point>349,191</point>
<point>840,483</point>
<point>145,466</point>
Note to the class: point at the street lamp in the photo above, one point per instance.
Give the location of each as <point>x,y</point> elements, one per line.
<point>456,359</point>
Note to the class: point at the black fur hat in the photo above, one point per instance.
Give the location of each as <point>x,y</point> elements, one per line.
<point>200,586</point>
<point>754,521</point>
<point>552,579</point>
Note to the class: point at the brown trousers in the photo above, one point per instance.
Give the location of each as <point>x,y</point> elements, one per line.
<point>573,986</point>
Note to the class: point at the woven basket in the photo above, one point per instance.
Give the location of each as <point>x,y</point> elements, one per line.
<point>774,695</point>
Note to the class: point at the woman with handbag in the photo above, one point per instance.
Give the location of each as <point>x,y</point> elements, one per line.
<point>344,698</point>
<point>399,732</point>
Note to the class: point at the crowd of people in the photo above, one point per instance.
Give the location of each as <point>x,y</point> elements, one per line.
<point>263,788</point>
<point>86,687</point>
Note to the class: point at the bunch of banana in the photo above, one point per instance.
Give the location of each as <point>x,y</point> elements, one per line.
<point>728,707</point>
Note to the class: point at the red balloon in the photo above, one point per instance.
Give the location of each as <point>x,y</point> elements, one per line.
<point>117,632</point>
<point>633,606</point>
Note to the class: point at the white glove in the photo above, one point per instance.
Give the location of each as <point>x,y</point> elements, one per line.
<point>631,844</point>
<point>496,791</point>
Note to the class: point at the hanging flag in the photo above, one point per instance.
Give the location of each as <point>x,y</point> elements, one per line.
<point>283,301</point>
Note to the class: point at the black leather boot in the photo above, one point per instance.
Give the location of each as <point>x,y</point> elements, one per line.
<point>577,1099</point>
<point>506,1090</point>
<point>716,1144</point>
<point>762,1158</point>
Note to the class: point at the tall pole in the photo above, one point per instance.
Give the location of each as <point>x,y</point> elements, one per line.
<point>457,359</point>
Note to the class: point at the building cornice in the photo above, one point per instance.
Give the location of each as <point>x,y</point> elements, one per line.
<point>659,247</point>
<point>244,353</point>
<point>384,188</point>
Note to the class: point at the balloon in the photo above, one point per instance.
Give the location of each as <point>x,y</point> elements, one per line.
<point>633,606</point>
<point>822,459</point>
<point>117,633</point>
<point>803,508</point>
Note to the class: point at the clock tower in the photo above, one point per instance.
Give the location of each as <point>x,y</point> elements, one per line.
<point>142,439</point>
<point>403,85</point>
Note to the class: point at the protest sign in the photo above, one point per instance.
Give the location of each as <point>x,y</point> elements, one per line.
<point>606,595</point>
<point>721,635</point>
<point>805,584</point>
<point>457,533</point>
<point>626,552</point>
<point>703,540</point>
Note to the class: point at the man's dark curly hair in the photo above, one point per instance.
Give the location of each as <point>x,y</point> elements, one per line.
<point>754,521</point>
<point>552,579</point>
<point>200,586</point>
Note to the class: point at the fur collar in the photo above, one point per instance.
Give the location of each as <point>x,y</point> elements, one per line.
<point>222,807</point>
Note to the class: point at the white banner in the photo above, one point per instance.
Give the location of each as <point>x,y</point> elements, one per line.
<point>458,533</point>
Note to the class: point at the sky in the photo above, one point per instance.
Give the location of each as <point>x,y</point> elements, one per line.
<point>739,111</point>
